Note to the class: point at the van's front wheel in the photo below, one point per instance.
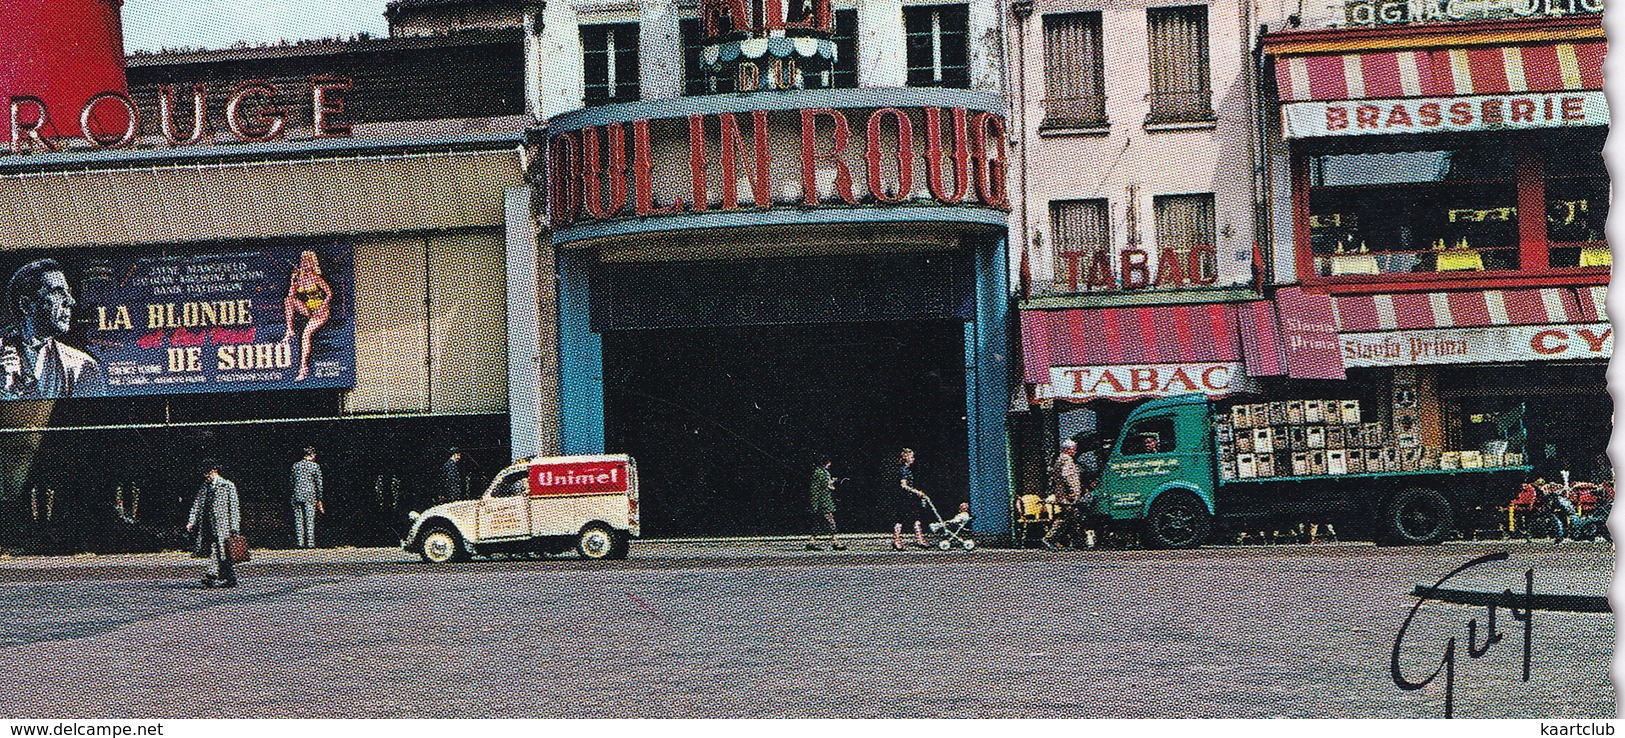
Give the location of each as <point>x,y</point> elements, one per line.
<point>442,546</point>
<point>1177,520</point>
<point>597,542</point>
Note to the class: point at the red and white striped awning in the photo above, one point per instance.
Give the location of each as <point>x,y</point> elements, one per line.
<point>1179,334</point>
<point>1451,72</point>
<point>1419,310</point>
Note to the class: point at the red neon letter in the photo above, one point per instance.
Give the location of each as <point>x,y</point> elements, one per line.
<point>30,131</point>
<point>271,118</point>
<point>323,105</point>
<point>905,156</point>
<point>843,175</point>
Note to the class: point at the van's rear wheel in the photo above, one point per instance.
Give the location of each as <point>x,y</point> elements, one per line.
<point>1418,517</point>
<point>1177,520</point>
<point>442,546</point>
<point>597,542</point>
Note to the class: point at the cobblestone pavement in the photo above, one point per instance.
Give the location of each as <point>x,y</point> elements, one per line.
<point>764,631</point>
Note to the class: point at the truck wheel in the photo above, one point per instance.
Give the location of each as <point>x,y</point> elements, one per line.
<point>441,546</point>
<point>1177,520</point>
<point>596,542</point>
<point>1418,517</point>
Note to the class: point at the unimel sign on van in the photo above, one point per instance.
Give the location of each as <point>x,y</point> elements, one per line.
<point>579,478</point>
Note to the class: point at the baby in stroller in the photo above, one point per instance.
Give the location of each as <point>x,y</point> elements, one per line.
<point>952,529</point>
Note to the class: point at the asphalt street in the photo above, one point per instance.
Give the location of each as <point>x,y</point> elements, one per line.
<point>766,630</point>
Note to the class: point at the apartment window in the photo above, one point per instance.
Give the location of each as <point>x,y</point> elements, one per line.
<point>938,45</point>
<point>1078,228</point>
<point>1074,81</point>
<point>1181,88</point>
<point>1185,224</point>
<point>845,72</point>
<point>697,77</point>
<point>610,61</point>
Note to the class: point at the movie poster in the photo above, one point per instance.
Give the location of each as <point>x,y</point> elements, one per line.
<point>90,324</point>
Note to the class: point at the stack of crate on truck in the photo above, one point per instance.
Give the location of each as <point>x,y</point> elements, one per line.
<point>1184,466</point>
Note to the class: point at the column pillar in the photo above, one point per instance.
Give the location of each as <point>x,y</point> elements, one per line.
<point>554,78</point>
<point>581,358</point>
<point>660,50</point>
<point>882,61</point>
<point>986,46</point>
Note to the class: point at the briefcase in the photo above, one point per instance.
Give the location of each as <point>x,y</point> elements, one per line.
<point>236,548</point>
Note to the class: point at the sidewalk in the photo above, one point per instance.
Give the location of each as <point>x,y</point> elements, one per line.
<point>662,548</point>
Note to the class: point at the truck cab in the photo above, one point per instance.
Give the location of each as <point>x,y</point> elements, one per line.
<point>537,505</point>
<point>1160,469</point>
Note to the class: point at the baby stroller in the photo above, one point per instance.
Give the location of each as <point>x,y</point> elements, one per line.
<point>951,529</point>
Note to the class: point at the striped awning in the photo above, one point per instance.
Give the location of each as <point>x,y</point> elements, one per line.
<point>1472,309</point>
<point>1179,334</point>
<point>1446,72</point>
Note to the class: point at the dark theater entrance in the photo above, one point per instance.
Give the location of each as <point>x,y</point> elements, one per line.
<point>724,422</point>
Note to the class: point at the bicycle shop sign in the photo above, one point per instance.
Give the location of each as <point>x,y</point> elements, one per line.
<point>817,157</point>
<point>253,112</point>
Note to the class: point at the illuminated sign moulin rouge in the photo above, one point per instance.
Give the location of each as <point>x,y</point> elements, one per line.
<point>112,120</point>
<point>607,171</point>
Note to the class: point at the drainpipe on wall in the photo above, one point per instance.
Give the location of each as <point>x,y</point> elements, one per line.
<point>1020,11</point>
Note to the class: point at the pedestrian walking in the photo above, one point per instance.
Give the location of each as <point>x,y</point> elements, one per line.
<point>911,499</point>
<point>306,481</point>
<point>451,476</point>
<point>216,516</point>
<point>1066,489</point>
<point>822,499</point>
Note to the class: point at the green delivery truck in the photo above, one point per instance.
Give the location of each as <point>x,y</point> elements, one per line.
<point>1163,475</point>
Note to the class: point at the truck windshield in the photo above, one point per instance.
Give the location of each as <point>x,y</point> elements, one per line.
<point>1149,436</point>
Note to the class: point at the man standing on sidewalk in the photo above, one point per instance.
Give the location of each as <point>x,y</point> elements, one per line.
<point>306,480</point>
<point>451,477</point>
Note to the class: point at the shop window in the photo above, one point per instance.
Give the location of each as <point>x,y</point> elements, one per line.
<point>610,63</point>
<point>1078,228</point>
<point>938,45</point>
<point>1150,436</point>
<point>1576,189</point>
<point>1415,211</point>
<point>1074,76</point>
<point>1185,224</point>
<point>1181,89</point>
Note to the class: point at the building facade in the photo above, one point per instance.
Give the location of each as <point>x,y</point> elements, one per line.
<point>1440,204</point>
<point>779,233</point>
<point>264,249</point>
<point>1135,225</point>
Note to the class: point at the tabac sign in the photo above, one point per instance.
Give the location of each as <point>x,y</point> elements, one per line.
<point>765,159</point>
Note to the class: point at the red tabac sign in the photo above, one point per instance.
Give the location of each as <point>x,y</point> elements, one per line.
<point>579,478</point>
<point>763,159</point>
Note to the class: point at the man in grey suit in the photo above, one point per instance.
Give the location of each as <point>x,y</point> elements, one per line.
<point>306,480</point>
<point>216,515</point>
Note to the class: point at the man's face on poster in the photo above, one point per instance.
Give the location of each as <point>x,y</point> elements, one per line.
<point>49,309</point>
